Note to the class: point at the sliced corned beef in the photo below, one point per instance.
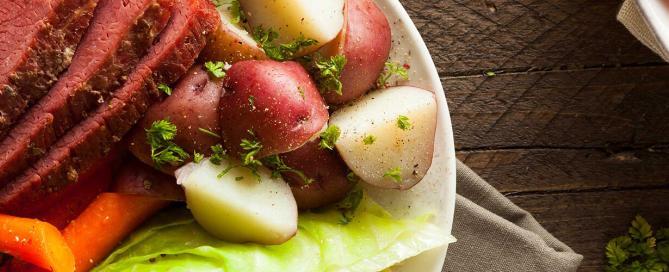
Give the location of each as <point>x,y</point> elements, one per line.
<point>120,34</point>
<point>37,41</point>
<point>177,49</point>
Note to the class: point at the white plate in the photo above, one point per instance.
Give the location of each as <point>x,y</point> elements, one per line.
<point>436,193</point>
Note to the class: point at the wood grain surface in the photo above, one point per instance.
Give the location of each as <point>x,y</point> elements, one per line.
<point>573,127</point>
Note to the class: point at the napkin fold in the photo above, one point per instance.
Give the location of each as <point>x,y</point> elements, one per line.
<point>632,17</point>
<point>496,235</point>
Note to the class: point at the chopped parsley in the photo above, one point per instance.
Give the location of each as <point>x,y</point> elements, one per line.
<point>276,163</point>
<point>215,68</point>
<point>163,150</point>
<point>369,139</point>
<point>404,123</point>
<point>329,137</point>
<point>392,69</point>
<point>252,102</point>
<point>217,154</point>
<point>349,204</point>
<point>395,174</point>
<point>209,132</point>
<point>197,157</point>
<point>352,177</point>
<point>329,74</point>
<point>164,88</point>
<point>251,149</point>
<point>300,90</point>
<point>639,250</point>
<point>281,52</point>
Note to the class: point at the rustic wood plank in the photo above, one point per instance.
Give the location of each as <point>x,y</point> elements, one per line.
<point>586,221</point>
<point>601,107</point>
<point>467,37</point>
<point>533,170</point>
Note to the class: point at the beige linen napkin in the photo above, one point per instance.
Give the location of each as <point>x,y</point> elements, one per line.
<point>495,235</point>
<point>632,17</point>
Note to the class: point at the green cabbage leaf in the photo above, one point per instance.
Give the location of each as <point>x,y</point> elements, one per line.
<point>372,241</point>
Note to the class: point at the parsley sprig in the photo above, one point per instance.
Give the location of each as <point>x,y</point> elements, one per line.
<point>164,151</point>
<point>280,52</point>
<point>251,149</point>
<point>395,174</point>
<point>279,166</point>
<point>639,250</point>
<point>329,137</point>
<point>328,75</point>
<point>349,205</point>
<point>165,89</point>
<point>403,123</point>
<point>235,9</point>
<point>215,68</point>
<point>392,70</point>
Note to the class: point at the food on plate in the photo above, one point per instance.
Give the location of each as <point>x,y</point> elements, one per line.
<point>30,39</point>
<point>365,43</point>
<point>192,107</point>
<point>218,108</point>
<point>387,137</point>
<point>105,222</point>
<point>268,108</point>
<point>231,42</point>
<point>317,176</point>
<point>239,204</point>
<point>295,20</point>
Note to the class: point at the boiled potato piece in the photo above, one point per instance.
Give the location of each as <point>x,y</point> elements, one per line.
<point>374,144</point>
<point>231,42</point>
<point>320,20</point>
<point>239,206</point>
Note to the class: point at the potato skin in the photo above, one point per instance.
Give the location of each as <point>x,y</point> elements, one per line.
<point>226,44</point>
<point>365,41</point>
<point>192,105</point>
<point>137,178</point>
<point>327,170</point>
<point>277,101</point>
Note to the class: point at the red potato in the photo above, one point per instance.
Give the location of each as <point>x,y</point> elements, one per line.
<point>231,42</point>
<point>192,106</point>
<point>277,102</point>
<point>324,167</point>
<point>136,178</point>
<point>365,41</point>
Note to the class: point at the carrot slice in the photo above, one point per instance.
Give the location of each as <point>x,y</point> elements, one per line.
<point>104,223</point>
<point>36,242</point>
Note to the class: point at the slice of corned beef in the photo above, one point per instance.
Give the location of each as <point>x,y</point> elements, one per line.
<point>37,41</point>
<point>119,36</point>
<point>178,47</point>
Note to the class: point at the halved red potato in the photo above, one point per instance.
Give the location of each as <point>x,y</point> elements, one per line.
<point>387,137</point>
<point>274,103</point>
<point>365,41</point>
<point>292,19</point>
<point>192,108</point>
<point>231,42</point>
<point>327,171</point>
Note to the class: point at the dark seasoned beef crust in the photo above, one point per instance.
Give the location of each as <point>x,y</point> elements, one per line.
<point>170,58</point>
<point>120,34</point>
<point>37,41</point>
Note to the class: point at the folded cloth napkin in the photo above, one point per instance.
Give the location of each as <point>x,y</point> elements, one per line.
<point>496,235</point>
<point>637,22</point>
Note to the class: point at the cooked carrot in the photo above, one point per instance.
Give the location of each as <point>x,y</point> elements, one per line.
<point>104,223</point>
<point>36,242</point>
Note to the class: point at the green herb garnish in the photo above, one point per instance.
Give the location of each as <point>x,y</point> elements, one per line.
<point>395,174</point>
<point>329,74</point>
<point>352,177</point>
<point>164,88</point>
<point>217,154</point>
<point>392,69</point>
<point>281,52</point>
<point>329,137</point>
<point>251,148</point>
<point>403,123</point>
<point>349,204</point>
<point>639,250</point>
<point>163,150</point>
<point>278,166</point>
<point>209,132</point>
<point>369,139</point>
<point>216,69</point>
<point>197,157</point>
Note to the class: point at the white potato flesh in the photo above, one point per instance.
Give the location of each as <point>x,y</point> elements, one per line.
<point>376,115</point>
<point>238,207</point>
<point>321,20</point>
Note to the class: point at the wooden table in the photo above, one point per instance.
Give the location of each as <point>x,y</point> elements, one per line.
<point>573,126</point>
